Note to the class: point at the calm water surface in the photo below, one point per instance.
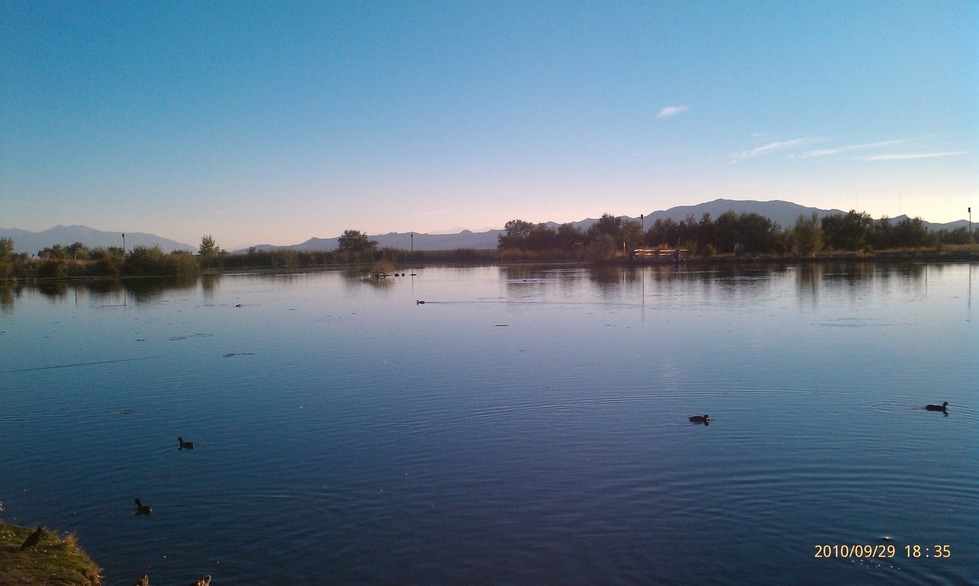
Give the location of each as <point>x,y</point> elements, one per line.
<point>524,425</point>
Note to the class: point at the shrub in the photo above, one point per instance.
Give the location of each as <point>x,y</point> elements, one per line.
<point>181,264</point>
<point>144,261</point>
<point>52,268</point>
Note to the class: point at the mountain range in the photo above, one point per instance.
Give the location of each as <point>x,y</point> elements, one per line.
<point>783,213</point>
<point>34,242</point>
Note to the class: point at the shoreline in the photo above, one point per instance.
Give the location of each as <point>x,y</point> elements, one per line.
<point>900,256</point>
<point>963,254</point>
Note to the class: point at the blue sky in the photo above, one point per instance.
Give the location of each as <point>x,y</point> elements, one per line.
<point>272,122</point>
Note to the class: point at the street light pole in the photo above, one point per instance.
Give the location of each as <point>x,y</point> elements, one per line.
<point>412,262</point>
<point>970,224</point>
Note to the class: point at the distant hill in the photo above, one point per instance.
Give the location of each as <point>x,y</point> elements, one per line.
<point>783,213</point>
<point>34,242</point>
<point>405,241</point>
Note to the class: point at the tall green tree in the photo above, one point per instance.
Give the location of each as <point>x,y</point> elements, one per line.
<point>356,242</point>
<point>77,251</point>
<point>607,224</point>
<point>602,248</point>
<point>108,261</point>
<point>6,257</point>
<point>144,261</point>
<point>516,234</point>
<point>57,251</point>
<point>847,232</point>
<point>911,232</point>
<point>632,234</point>
<point>807,235</point>
<point>208,246</point>
<point>570,237</point>
<point>542,237</point>
<point>664,232</point>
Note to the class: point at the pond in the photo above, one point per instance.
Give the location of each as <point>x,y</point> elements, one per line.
<point>503,425</point>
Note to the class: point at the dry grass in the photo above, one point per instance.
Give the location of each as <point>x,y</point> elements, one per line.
<point>54,561</point>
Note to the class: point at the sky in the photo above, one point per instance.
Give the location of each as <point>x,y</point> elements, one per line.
<point>273,122</point>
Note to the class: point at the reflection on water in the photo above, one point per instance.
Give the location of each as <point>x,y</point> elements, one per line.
<point>809,278</point>
<point>527,424</point>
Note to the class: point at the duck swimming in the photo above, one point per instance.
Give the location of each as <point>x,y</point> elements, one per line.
<point>142,509</point>
<point>701,418</point>
<point>185,445</point>
<point>942,407</point>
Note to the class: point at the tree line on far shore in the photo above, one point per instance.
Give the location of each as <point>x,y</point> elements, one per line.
<point>609,238</point>
<point>729,234</point>
<point>77,260</point>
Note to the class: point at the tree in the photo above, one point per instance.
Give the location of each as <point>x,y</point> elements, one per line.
<point>181,263</point>
<point>570,237</point>
<point>807,234</point>
<point>957,236</point>
<point>602,248</point>
<point>78,251</point>
<point>726,232</point>
<point>632,234</point>
<point>356,242</point>
<point>542,237</point>
<point>57,251</point>
<point>759,234</point>
<point>607,224</point>
<point>847,232</point>
<point>516,234</point>
<point>144,261</point>
<point>664,232</point>
<point>108,261</point>
<point>208,246</point>
<point>6,257</point>
<point>52,268</point>
<point>911,233</point>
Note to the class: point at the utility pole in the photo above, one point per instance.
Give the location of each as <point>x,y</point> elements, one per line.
<point>970,224</point>
<point>124,244</point>
<point>642,229</point>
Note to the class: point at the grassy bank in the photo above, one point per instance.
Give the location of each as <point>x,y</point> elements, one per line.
<point>53,561</point>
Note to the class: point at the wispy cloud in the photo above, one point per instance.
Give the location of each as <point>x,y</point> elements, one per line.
<point>776,145</point>
<point>910,156</point>
<point>853,147</point>
<point>878,151</point>
<point>671,111</point>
